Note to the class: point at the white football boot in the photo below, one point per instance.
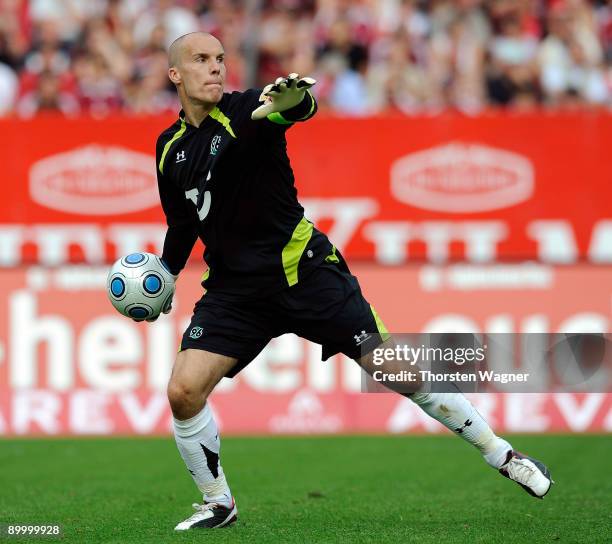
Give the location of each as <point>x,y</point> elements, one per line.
<point>532,475</point>
<point>209,515</point>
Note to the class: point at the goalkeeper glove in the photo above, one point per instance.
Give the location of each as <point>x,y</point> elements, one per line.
<point>282,95</point>
<point>167,306</point>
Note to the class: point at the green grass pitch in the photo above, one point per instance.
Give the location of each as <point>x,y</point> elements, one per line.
<point>324,489</point>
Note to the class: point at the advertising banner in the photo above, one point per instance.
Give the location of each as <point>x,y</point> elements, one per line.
<point>71,365</point>
<point>497,187</point>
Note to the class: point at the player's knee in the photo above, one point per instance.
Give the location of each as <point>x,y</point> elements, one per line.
<point>185,400</point>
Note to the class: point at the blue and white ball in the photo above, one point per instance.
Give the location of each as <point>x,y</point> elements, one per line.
<point>140,286</point>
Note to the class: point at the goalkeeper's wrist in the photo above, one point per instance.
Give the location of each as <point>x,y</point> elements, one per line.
<point>301,110</point>
<point>167,267</point>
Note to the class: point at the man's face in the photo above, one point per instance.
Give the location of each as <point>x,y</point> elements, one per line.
<point>200,69</point>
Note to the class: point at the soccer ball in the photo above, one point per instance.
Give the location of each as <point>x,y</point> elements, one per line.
<point>140,286</point>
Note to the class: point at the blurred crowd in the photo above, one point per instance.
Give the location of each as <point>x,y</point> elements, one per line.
<point>99,57</point>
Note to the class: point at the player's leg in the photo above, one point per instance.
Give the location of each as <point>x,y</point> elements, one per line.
<point>221,339</point>
<point>352,326</point>
<point>194,376</point>
<point>452,409</point>
<point>456,413</point>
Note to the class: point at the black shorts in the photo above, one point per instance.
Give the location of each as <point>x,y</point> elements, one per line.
<point>325,307</point>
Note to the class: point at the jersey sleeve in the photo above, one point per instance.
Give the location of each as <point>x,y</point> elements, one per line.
<point>182,233</point>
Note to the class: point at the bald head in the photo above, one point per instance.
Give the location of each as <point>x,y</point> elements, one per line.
<point>184,44</point>
<point>197,68</point>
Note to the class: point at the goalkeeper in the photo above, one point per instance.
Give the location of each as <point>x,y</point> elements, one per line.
<point>224,177</point>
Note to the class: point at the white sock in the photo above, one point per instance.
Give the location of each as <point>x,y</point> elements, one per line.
<point>198,442</point>
<point>456,413</point>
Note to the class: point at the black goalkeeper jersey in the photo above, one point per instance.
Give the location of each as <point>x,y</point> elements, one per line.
<point>230,183</point>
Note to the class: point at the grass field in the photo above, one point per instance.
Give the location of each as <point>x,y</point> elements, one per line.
<point>331,489</point>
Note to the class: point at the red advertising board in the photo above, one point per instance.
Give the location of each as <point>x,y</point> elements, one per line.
<point>71,365</point>
<point>498,187</point>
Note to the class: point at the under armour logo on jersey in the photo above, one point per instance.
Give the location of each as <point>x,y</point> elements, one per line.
<point>214,145</point>
<point>196,332</point>
<point>361,338</point>
<point>180,156</point>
